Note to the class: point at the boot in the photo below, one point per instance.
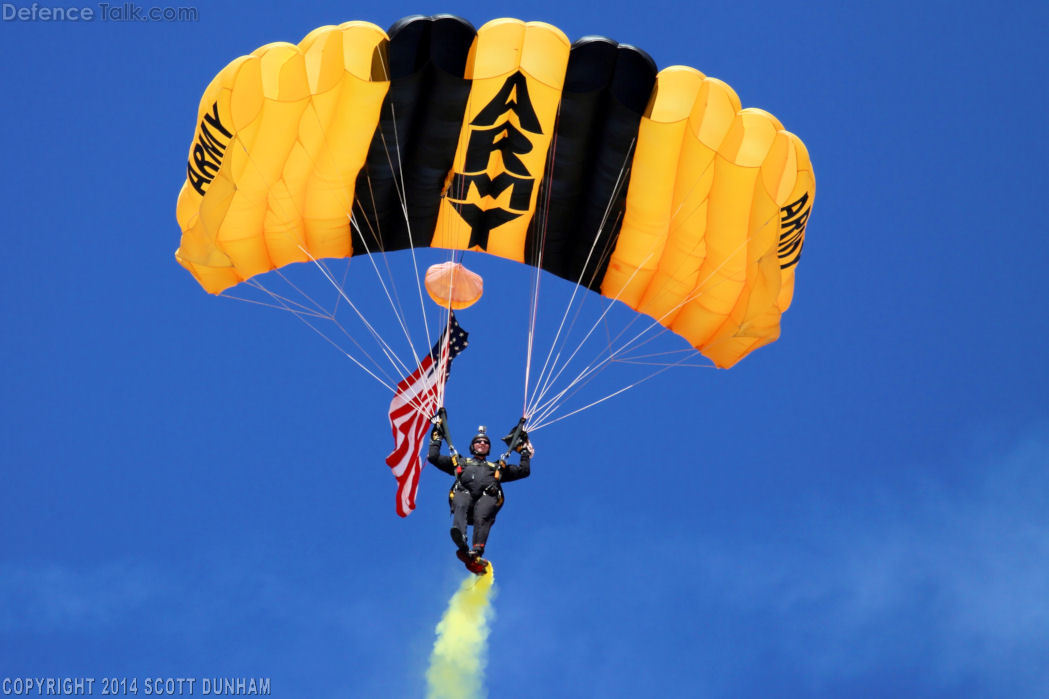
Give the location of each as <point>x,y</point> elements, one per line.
<point>460,539</point>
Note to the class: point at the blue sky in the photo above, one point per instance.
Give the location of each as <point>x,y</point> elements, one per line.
<point>195,487</point>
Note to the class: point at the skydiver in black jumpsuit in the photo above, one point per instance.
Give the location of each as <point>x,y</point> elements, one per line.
<point>477,495</point>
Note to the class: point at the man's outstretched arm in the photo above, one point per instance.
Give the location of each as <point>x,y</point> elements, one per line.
<point>514,472</point>
<point>435,457</point>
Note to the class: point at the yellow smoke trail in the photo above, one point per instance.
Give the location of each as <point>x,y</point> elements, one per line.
<point>461,649</point>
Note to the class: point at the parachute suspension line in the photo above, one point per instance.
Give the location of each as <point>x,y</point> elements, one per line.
<point>459,190</point>
<point>387,350</point>
<point>746,244</point>
<point>402,192</point>
<point>445,365</point>
<point>537,277</point>
<point>664,353</point>
<point>402,195</point>
<point>533,318</point>
<point>613,354</point>
<point>286,304</point>
<point>399,310</point>
<point>348,203</point>
<point>533,313</point>
<point>376,235</point>
<point>340,291</point>
<point>540,425</point>
<point>610,340</point>
<point>687,355</point>
<point>607,250</point>
<point>414,400</point>
<point>539,406</point>
<point>340,288</point>
<point>342,285</point>
<point>445,362</point>
<point>310,325</point>
<point>544,411</point>
<point>695,183</point>
<point>571,327</point>
<point>391,356</point>
<point>386,290</point>
<point>538,253</point>
<point>331,318</point>
<point>321,309</point>
<point>309,314</point>
<point>664,364</point>
<point>316,313</point>
<point>593,368</point>
<point>302,293</point>
<point>607,247</point>
<point>541,386</point>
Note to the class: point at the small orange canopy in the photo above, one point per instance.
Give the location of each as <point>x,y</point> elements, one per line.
<point>452,285</point>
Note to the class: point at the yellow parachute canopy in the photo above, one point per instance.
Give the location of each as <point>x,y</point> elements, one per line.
<point>656,189</point>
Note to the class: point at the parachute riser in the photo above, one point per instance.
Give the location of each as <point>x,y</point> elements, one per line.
<point>440,422</point>
<point>517,436</point>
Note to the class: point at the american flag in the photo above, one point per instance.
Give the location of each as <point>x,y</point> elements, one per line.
<point>414,402</point>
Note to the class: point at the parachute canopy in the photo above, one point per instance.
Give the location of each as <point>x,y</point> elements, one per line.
<point>653,188</point>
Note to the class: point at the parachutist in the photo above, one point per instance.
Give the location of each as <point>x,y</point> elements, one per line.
<point>477,494</point>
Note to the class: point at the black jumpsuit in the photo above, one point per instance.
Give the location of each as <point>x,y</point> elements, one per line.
<point>476,495</point>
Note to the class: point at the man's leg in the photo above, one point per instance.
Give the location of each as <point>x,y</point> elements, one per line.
<point>484,517</point>
<point>460,510</point>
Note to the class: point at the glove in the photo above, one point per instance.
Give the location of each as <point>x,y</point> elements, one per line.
<point>526,447</point>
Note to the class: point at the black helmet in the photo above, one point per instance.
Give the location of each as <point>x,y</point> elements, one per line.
<point>481,436</point>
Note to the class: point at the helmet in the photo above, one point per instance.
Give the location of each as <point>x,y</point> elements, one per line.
<point>481,436</point>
